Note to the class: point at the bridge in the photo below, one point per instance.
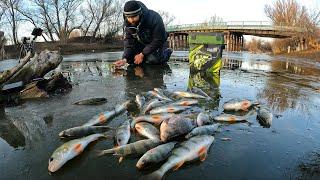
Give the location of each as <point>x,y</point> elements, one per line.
<point>233,32</point>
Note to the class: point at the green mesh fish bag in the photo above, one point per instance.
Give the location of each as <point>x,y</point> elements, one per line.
<point>206,52</point>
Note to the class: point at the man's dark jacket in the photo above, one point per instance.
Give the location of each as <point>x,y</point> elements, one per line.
<point>147,37</point>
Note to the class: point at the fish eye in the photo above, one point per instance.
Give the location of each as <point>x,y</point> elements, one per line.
<point>119,140</point>
<point>51,159</point>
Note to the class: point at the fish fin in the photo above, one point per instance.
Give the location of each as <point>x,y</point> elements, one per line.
<point>202,153</point>
<point>78,148</point>
<point>245,106</point>
<point>103,152</point>
<point>232,119</point>
<point>177,166</point>
<point>121,159</point>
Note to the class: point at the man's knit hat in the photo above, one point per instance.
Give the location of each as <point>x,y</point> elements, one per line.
<point>131,8</point>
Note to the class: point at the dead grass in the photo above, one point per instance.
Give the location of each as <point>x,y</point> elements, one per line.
<point>70,48</point>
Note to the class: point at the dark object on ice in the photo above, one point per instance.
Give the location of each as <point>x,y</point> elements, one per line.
<point>55,85</point>
<point>91,101</point>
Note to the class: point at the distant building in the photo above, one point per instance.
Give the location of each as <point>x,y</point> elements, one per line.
<point>76,33</point>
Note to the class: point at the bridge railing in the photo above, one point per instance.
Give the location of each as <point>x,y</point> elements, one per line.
<point>257,25</point>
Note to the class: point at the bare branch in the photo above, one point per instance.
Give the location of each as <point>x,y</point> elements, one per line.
<point>167,17</point>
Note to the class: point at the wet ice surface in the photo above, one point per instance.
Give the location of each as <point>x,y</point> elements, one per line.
<point>29,132</point>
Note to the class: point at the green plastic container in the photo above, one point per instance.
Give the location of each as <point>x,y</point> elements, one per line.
<point>206,52</point>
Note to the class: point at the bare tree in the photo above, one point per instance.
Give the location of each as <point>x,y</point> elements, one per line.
<point>11,16</point>
<point>101,16</point>
<point>167,17</point>
<point>65,11</point>
<point>214,20</point>
<point>1,13</point>
<point>57,17</point>
<point>114,23</point>
<point>289,13</point>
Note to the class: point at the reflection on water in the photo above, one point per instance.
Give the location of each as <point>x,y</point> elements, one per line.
<point>9,132</point>
<point>209,83</point>
<point>284,86</point>
<point>145,78</point>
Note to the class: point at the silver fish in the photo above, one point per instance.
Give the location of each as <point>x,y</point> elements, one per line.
<point>164,92</point>
<point>140,100</point>
<point>199,91</point>
<point>203,119</point>
<point>264,116</point>
<point>185,102</point>
<point>203,130</point>
<point>157,95</point>
<point>192,149</point>
<point>155,155</point>
<point>230,118</point>
<point>175,126</point>
<point>169,109</point>
<point>70,150</point>
<point>188,95</point>
<point>123,133</point>
<point>147,130</point>
<point>155,119</point>
<point>153,104</point>
<point>81,131</point>
<point>123,107</point>
<point>136,148</point>
<point>233,118</point>
<point>237,105</point>
<point>91,101</point>
<point>103,117</point>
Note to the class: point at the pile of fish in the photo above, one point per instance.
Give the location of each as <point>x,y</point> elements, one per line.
<point>174,132</point>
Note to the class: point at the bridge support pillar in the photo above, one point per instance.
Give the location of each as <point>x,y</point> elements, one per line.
<point>232,42</point>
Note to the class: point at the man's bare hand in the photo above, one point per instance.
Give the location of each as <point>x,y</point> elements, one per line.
<point>120,62</point>
<point>138,58</point>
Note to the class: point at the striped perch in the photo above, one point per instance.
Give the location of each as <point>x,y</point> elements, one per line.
<point>155,155</point>
<point>136,148</point>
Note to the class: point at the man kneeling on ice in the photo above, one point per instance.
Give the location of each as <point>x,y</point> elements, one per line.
<point>144,36</point>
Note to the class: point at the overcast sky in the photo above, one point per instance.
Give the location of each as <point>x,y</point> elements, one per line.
<point>196,11</point>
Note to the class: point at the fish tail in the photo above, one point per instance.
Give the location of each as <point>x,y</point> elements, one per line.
<point>104,152</point>
<point>121,159</point>
<point>157,175</point>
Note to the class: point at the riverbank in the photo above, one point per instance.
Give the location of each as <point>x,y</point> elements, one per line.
<point>309,54</point>
<point>13,51</point>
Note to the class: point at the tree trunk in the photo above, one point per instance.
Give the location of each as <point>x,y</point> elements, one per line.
<point>33,68</point>
<point>2,45</point>
<point>6,75</point>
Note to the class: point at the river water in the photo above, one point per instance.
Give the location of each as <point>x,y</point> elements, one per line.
<point>287,150</point>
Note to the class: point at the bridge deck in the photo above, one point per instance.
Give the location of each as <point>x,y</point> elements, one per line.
<point>257,28</point>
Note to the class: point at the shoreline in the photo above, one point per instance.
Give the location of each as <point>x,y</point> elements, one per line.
<point>308,54</point>
<point>12,51</point>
